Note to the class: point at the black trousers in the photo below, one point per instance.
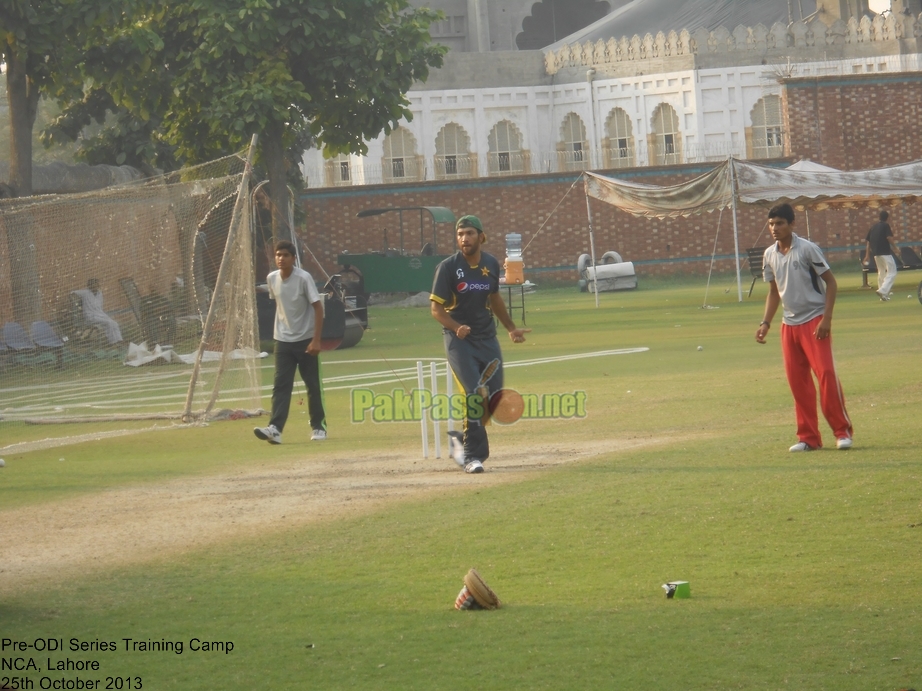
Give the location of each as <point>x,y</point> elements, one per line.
<point>291,357</point>
<point>469,358</point>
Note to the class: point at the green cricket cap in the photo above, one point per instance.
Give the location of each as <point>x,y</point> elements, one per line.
<point>469,222</point>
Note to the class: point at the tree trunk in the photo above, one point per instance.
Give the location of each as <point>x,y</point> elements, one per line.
<point>22,96</point>
<point>274,158</point>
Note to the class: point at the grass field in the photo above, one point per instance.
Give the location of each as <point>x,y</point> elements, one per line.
<point>803,567</point>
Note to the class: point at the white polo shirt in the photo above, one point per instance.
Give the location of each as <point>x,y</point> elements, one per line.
<point>797,275</point>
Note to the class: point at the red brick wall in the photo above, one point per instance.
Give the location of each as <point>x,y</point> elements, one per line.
<point>858,122</point>
<point>844,122</point>
<point>855,122</point>
<point>548,211</point>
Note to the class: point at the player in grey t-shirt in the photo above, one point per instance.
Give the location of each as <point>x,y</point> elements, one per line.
<point>800,280</point>
<point>298,328</point>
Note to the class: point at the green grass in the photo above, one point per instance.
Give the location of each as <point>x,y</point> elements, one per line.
<point>803,567</point>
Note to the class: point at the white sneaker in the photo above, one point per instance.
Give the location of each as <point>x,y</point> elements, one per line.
<point>318,435</point>
<point>456,447</point>
<point>844,443</point>
<point>474,467</point>
<point>802,446</point>
<point>269,434</point>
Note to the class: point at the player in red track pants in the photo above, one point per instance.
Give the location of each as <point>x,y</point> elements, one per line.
<point>805,355</point>
<point>801,282</point>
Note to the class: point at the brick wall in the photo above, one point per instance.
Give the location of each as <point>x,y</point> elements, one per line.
<point>548,210</point>
<point>845,122</point>
<point>855,122</point>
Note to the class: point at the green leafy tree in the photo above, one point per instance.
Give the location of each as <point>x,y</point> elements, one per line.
<point>38,41</point>
<point>204,75</point>
<point>47,112</point>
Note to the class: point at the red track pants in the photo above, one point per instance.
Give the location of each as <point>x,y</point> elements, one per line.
<point>803,353</point>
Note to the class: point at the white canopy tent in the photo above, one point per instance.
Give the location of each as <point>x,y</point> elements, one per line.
<point>750,183</point>
<point>805,165</point>
<point>808,166</point>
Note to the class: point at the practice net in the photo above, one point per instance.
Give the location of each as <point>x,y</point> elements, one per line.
<point>104,296</point>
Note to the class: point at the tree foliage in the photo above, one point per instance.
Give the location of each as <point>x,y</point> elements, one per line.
<point>34,48</point>
<point>43,44</point>
<point>202,76</point>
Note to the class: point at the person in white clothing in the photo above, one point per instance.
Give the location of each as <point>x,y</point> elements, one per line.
<point>879,244</point>
<point>298,329</point>
<point>94,314</point>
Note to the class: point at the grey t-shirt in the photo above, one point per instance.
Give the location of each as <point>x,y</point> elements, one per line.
<point>797,275</point>
<point>294,298</point>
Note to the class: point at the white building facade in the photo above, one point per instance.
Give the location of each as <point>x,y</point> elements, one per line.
<point>645,101</point>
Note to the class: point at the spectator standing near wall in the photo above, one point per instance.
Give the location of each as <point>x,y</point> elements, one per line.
<point>879,244</point>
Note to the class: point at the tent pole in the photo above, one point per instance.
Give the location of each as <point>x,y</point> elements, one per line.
<point>591,240</point>
<point>736,238</point>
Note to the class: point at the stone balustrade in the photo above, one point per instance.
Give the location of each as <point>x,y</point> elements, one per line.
<point>757,40</point>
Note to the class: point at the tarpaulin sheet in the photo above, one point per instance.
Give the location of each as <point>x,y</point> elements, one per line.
<point>764,185</point>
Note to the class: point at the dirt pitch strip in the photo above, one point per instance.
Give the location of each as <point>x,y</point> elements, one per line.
<point>120,527</point>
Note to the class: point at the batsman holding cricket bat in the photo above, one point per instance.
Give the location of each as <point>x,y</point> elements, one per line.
<point>465,298</point>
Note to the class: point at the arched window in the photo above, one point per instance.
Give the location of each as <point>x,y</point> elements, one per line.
<point>339,171</point>
<point>573,149</point>
<point>400,162</point>
<point>619,140</point>
<point>453,157</point>
<point>506,154</point>
<point>666,144</point>
<point>766,137</point>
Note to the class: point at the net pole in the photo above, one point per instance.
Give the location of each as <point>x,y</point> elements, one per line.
<point>595,279</point>
<point>707,287</point>
<point>239,206</point>
<point>222,364</point>
<point>736,232</point>
<point>216,389</point>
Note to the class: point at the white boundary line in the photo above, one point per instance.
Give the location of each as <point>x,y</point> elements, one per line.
<point>382,375</point>
<point>115,398</point>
